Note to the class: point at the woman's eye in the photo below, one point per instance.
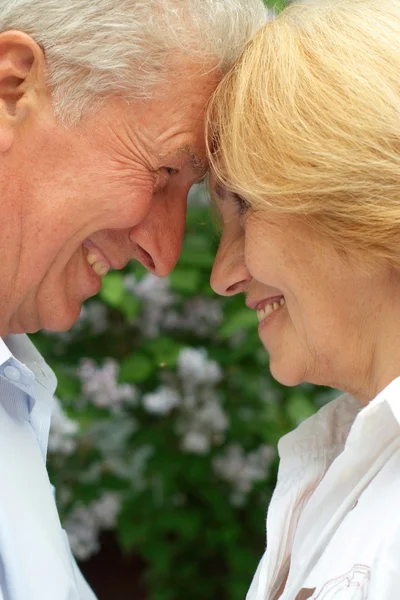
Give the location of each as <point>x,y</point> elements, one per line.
<point>241,204</point>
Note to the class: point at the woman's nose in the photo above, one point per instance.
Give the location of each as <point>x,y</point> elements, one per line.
<point>229,274</point>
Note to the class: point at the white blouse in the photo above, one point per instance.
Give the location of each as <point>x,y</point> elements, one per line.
<point>333,524</point>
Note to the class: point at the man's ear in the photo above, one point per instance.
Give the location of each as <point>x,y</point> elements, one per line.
<point>22,82</point>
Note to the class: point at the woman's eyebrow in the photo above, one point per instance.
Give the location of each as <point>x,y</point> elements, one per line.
<point>220,192</point>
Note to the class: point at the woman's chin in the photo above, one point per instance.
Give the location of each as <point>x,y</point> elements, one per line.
<point>284,375</point>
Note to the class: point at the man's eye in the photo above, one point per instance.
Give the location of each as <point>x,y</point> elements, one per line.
<point>170,170</point>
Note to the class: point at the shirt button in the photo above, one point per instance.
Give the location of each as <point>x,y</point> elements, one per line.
<point>12,373</point>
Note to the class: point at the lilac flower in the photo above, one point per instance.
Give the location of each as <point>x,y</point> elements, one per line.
<point>85,523</point>
<point>94,315</point>
<point>241,470</point>
<point>105,510</point>
<point>83,533</point>
<point>195,368</point>
<point>156,299</point>
<point>100,384</point>
<point>196,442</point>
<point>162,401</point>
<point>63,431</point>
<point>199,315</point>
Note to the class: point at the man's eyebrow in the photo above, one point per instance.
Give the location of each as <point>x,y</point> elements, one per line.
<point>198,166</point>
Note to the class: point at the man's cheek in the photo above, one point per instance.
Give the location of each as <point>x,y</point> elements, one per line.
<point>123,208</point>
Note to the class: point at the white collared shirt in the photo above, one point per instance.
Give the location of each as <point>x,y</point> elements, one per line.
<point>334,519</point>
<point>35,559</point>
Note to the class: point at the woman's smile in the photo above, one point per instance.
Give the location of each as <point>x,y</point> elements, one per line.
<point>269,306</point>
<point>266,309</point>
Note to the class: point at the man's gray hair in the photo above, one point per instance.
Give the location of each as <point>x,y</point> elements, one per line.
<point>96,48</point>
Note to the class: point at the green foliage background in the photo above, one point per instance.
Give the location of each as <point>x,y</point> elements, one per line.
<point>200,533</point>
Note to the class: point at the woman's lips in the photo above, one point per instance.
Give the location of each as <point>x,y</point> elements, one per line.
<point>268,306</point>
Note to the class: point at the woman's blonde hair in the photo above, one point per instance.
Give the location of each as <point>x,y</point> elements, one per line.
<point>308,122</point>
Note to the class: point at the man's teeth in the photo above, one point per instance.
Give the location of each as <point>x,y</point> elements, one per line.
<point>269,308</point>
<point>99,267</point>
<point>91,258</point>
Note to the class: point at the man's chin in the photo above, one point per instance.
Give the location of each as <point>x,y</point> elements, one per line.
<point>58,326</point>
<point>58,321</point>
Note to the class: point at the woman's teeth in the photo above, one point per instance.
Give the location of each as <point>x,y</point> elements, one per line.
<point>269,308</point>
<point>99,266</point>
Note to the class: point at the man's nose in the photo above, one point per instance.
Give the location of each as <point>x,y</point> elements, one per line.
<point>229,274</point>
<point>158,239</point>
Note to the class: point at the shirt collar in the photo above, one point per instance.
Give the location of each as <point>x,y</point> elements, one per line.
<point>5,353</point>
<point>322,434</point>
<point>37,381</point>
<point>341,422</point>
<point>19,347</point>
<point>391,396</point>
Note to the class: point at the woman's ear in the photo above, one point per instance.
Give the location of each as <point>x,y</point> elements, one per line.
<point>22,82</point>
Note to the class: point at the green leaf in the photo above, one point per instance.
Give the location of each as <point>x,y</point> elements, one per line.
<point>67,386</point>
<point>112,291</point>
<point>130,532</point>
<point>242,319</point>
<point>197,252</point>
<point>299,407</point>
<point>165,351</point>
<point>276,5</point>
<point>187,281</point>
<point>130,307</point>
<point>137,270</point>
<point>136,368</point>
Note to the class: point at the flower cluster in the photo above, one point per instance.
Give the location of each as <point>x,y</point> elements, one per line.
<point>161,401</point>
<point>195,369</point>
<point>100,384</point>
<point>63,432</point>
<point>243,470</point>
<point>156,298</point>
<point>203,421</point>
<point>86,522</point>
<point>200,419</point>
<point>199,315</point>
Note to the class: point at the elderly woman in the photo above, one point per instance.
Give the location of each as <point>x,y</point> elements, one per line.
<point>101,137</point>
<point>305,146</point>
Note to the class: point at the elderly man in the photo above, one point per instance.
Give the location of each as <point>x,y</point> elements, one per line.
<point>101,137</point>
